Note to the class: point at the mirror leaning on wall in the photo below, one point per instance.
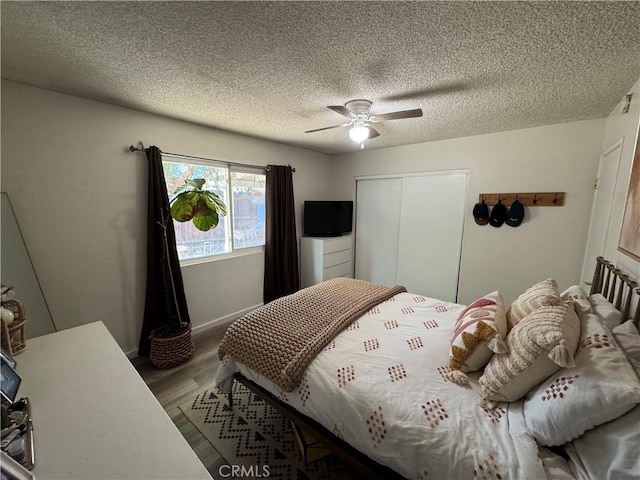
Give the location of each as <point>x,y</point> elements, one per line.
<point>17,270</point>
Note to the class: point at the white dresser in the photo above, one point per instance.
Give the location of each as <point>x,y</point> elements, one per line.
<point>323,258</point>
<point>94,417</point>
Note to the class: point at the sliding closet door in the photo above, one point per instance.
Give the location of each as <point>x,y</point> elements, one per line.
<point>409,231</point>
<point>430,240</point>
<point>377,225</point>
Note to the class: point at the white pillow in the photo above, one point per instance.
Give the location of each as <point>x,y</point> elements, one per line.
<point>628,338</point>
<point>605,310</point>
<point>601,387</point>
<point>611,450</point>
<point>580,299</point>
<point>538,346</point>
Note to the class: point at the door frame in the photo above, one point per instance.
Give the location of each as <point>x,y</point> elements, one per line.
<point>588,264</point>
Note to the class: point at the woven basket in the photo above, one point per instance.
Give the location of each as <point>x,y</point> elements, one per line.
<point>171,351</point>
<point>13,336</point>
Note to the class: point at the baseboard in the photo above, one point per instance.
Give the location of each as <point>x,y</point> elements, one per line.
<point>201,330</point>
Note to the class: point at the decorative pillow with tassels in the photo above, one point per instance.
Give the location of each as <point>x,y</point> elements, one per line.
<point>478,334</point>
<point>539,345</point>
<point>538,295</point>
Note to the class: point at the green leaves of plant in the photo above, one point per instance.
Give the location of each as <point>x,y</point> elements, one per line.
<point>183,206</point>
<point>206,220</point>
<point>195,183</point>
<point>215,202</point>
<point>201,206</point>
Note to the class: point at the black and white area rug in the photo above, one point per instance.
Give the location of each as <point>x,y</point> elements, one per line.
<point>255,436</point>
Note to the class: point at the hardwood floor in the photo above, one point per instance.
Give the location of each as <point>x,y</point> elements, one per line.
<point>176,385</point>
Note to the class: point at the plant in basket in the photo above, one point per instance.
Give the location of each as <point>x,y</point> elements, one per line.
<point>171,344</point>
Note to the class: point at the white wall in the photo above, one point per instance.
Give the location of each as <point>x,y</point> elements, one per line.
<point>80,201</point>
<point>551,240</point>
<point>622,126</point>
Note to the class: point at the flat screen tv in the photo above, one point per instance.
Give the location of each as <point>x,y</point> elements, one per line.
<point>327,218</point>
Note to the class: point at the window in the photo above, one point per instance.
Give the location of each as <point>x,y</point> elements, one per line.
<point>243,226</point>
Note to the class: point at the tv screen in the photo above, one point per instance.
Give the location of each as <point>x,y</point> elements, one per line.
<point>327,218</point>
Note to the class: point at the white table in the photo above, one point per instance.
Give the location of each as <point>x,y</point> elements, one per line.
<point>93,416</point>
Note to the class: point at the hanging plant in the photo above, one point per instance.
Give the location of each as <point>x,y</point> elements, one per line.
<point>203,207</point>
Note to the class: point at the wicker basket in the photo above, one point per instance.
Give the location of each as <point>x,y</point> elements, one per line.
<point>13,336</point>
<point>171,351</point>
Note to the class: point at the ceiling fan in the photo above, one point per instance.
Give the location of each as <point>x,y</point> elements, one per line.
<point>360,119</point>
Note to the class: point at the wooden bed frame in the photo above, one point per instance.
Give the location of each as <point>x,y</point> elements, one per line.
<point>617,287</point>
<point>622,291</point>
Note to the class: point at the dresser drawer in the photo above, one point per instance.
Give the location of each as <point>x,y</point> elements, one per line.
<point>336,258</point>
<point>337,244</point>
<point>342,270</point>
<point>323,258</point>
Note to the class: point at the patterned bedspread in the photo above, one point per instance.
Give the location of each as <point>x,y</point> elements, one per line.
<point>380,385</point>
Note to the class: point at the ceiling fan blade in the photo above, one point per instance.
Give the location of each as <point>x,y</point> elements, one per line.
<point>383,117</point>
<point>373,133</point>
<point>341,110</point>
<point>324,128</point>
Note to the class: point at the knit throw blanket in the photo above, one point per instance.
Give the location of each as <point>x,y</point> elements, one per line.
<point>279,339</point>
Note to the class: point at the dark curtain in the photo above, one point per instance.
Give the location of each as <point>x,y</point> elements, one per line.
<point>163,267</point>
<point>281,275</point>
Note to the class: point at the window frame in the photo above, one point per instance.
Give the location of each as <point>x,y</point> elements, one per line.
<point>230,167</point>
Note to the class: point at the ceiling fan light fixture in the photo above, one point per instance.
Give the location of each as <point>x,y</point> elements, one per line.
<point>359,134</point>
<point>360,119</point>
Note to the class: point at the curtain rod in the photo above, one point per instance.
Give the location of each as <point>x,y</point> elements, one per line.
<point>262,167</point>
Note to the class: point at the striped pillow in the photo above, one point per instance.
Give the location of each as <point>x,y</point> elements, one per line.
<point>541,294</point>
<point>539,345</point>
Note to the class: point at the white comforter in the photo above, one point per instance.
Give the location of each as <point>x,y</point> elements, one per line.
<point>379,386</point>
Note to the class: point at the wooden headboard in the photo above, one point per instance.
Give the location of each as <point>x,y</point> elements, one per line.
<point>620,289</point>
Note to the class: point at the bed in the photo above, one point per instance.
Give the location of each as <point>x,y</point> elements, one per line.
<point>400,385</point>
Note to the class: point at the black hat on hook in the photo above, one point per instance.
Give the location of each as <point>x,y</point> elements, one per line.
<point>481,213</point>
<point>498,214</point>
<point>516,214</point>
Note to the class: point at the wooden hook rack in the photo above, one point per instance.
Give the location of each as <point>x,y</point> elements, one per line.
<point>534,199</point>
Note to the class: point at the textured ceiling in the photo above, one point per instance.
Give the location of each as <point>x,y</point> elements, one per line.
<point>269,69</point>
